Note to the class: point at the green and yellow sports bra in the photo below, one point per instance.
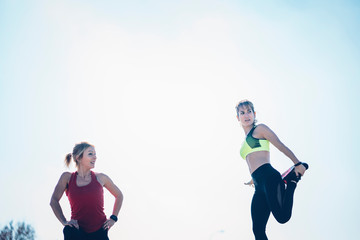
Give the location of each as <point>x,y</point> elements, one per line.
<point>252,144</point>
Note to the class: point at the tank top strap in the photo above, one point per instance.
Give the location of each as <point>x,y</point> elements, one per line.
<point>93,177</point>
<point>71,183</point>
<point>72,178</point>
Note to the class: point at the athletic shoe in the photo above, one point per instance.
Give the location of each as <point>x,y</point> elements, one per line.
<point>290,174</point>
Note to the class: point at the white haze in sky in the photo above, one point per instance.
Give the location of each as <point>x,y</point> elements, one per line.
<point>153,85</point>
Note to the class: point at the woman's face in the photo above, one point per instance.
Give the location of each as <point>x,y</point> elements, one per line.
<point>89,158</point>
<point>246,116</point>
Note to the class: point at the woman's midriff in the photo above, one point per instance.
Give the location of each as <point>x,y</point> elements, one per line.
<point>257,159</point>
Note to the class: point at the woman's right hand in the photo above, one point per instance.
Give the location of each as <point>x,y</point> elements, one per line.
<point>72,223</point>
<point>300,170</point>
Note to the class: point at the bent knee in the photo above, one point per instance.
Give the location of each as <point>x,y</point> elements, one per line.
<point>282,220</point>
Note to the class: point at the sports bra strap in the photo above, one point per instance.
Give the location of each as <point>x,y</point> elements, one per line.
<point>251,131</point>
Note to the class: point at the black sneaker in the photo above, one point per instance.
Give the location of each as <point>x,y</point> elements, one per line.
<point>290,174</point>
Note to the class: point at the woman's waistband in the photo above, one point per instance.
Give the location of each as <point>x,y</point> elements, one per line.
<point>262,171</point>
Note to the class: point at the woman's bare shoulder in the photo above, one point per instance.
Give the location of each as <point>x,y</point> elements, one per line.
<point>65,176</point>
<point>64,180</point>
<point>262,130</point>
<point>102,178</point>
<point>99,174</point>
<point>262,126</point>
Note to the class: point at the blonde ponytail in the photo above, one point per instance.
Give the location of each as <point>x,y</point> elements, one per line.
<point>68,159</point>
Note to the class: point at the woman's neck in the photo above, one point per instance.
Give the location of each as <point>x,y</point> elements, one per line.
<point>83,172</point>
<point>247,129</point>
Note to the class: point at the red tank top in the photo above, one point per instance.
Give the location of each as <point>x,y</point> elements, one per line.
<point>87,203</point>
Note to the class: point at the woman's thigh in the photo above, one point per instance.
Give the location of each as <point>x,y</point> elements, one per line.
<point>274,190</point>
<point>72,233</point>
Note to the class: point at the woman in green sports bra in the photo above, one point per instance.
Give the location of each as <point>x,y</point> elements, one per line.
<point>273,192</point>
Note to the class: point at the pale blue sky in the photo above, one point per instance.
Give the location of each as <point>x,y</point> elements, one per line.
<point>153,85</point>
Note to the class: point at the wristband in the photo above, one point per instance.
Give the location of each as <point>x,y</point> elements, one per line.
<point>113,217</point>
<point>299,163</point>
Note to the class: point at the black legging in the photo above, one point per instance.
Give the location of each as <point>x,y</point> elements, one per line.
<point>72,233</point>
<point>270,196</point>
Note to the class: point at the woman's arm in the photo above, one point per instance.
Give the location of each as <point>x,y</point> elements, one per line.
<point>115,191</point>
<point>56,196</point>
<point>267,133</point>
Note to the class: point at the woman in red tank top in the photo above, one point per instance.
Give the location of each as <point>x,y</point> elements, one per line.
<point>84,189</point>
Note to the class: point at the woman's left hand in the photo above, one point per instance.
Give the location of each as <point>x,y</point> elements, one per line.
<point>300,170</point>
<point>108,224</point>
<point>250,183</point>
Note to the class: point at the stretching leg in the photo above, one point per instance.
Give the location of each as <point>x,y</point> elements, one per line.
<point>279,198</point>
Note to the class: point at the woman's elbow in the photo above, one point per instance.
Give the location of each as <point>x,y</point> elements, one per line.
<point>53,202</point>
<point>120,196</point>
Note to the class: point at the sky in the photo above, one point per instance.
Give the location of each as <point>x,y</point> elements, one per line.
<point>154,84</point>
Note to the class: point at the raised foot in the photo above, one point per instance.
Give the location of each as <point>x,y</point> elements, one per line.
<point>290,175</point>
